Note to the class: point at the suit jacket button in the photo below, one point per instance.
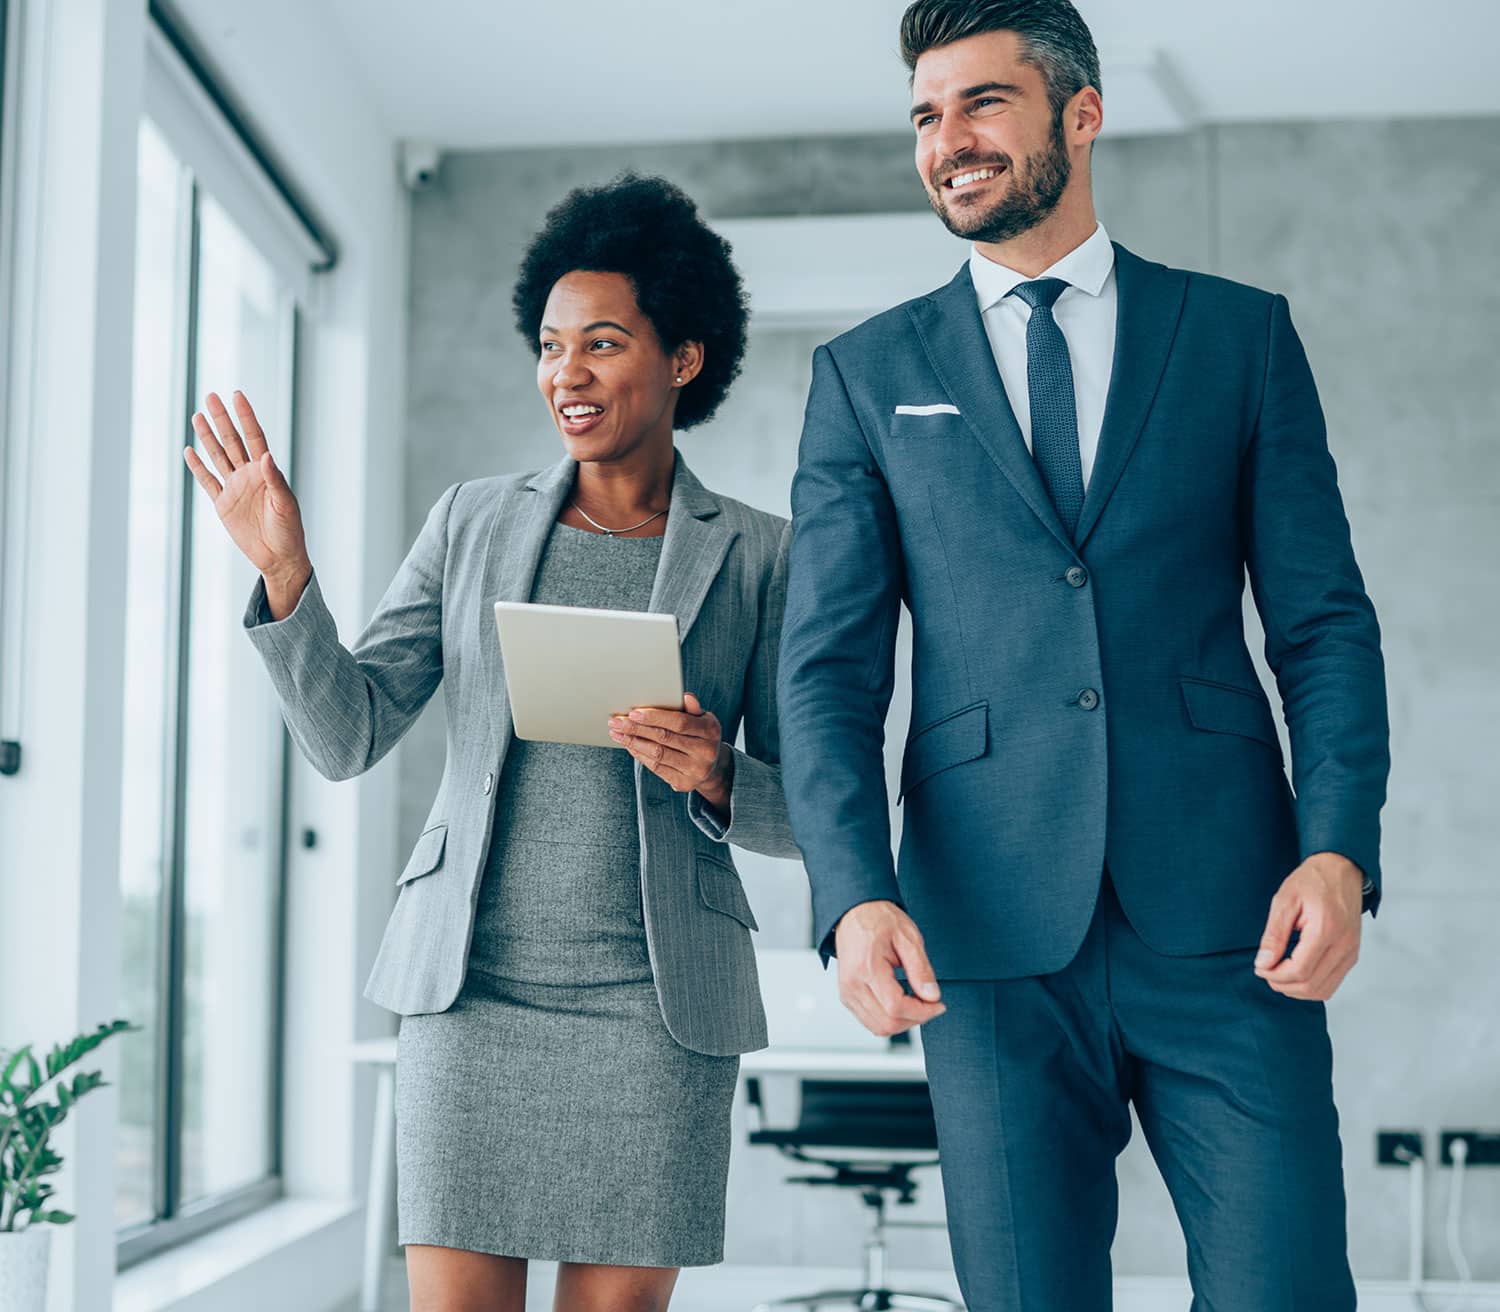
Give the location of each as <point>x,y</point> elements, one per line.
<point>1088,699</point>
<point>1076,576</point>
<point>489,782</point>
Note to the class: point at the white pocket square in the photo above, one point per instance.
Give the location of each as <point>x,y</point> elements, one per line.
<point>926,409</point>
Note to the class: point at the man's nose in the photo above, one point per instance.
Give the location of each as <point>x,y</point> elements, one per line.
<point>954,138</point>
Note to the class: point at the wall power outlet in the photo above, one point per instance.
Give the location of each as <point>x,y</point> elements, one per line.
<point>1484,1147</point>
<point>1388,1141</point>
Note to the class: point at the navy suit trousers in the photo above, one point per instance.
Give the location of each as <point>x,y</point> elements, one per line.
<point>1032,1081</point>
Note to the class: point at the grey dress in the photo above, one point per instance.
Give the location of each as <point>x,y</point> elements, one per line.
<point>548,1113</point>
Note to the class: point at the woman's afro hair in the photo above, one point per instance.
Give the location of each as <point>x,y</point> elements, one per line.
<point>685,282</point>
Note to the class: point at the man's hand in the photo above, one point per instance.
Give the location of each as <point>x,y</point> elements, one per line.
<point>1320,899</point>
<point>871,940</point>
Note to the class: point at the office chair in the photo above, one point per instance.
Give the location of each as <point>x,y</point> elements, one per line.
<point>871,1134</point>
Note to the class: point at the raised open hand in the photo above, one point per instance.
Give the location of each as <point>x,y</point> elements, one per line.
<point>254,502</point>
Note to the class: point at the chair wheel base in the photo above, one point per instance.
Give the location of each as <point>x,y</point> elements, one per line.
<point>866,1300</point>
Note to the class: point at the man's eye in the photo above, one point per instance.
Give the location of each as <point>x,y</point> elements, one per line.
<point>925,120</point>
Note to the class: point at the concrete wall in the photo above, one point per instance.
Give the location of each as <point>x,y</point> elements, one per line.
<point>1380,235</point>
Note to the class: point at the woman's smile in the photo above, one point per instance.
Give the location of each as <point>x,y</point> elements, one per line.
<point>577,417</point>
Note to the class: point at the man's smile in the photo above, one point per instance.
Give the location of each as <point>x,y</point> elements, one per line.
<point>972,177</point>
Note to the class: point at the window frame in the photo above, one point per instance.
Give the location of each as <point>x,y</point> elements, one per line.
<point>10,749</point>
<point>174,1222</point>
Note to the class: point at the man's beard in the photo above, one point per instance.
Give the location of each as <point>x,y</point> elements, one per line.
<point>1031,197</point>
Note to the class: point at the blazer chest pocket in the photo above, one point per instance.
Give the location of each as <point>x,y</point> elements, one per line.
<point>956,738</point>
<point>1223,708</point>
<point>720,889</point>
<point>908,427</point>
<point>427,855</point>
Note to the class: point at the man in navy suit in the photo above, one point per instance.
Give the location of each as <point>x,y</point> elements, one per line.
<point>1065,463</point>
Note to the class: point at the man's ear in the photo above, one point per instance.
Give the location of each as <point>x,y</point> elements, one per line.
<point>1085,114</point>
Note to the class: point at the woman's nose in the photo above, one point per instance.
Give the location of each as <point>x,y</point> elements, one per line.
<point>569,373</point>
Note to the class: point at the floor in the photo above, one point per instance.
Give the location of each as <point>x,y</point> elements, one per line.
<point>738,1289</point>
<point>707,1289</point>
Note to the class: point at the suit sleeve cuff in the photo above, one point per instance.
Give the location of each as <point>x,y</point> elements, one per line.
<point>258,610</point>
<point>708,819</point>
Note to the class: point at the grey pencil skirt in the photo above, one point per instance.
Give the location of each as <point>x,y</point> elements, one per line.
<point>561,1122</point>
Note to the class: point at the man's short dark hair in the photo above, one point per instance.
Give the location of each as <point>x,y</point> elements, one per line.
<point>685,282</point>
<point>1054,38</point>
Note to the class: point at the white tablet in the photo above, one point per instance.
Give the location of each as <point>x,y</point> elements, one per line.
<point>569,668</point>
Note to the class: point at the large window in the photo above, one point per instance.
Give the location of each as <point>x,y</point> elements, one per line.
<point>205,753</point>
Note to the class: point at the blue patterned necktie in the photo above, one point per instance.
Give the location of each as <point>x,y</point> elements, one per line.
<point>1054,414</point>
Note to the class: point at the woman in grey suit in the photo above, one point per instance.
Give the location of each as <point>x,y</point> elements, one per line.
<point>570,947</point>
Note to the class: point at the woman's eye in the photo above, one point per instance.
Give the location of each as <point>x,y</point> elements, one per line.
<point>605,342</point>
<point>549,346</point>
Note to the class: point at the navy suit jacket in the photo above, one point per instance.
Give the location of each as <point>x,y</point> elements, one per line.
<point>1076,703</point>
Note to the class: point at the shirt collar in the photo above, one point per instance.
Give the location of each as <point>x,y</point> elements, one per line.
<point>1086,267</point>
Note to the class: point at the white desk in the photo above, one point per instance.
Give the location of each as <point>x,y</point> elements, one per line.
<point>380,1197</point>
<point>836,1063</point>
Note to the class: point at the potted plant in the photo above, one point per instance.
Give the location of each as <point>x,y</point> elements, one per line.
<point>34,1101</point>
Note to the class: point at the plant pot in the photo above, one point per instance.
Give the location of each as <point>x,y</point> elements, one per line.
<point>23,1269</point>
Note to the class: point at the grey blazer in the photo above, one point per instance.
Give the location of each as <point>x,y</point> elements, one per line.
<point>722,573</point>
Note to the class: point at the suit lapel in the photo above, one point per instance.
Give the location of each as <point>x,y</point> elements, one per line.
<point>522,520</point>
<point>952,333</point>
<point>692,551</point>
<point>1149,299</point>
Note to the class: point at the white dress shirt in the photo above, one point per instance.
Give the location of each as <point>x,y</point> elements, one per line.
<point>1085,313</point>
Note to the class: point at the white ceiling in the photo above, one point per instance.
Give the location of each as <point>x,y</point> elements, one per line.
<point>483,73</point>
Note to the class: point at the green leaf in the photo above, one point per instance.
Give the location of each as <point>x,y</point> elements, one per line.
<point>64,1055</point>
<point>25,1153</point>
<point>11,1066</point>
<point>86,1082</point>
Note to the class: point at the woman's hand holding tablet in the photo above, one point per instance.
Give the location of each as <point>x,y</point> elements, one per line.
<point>686,748</point>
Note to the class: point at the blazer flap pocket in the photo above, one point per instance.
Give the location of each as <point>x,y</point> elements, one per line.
<point>956,738</point>
<point>1223,708</point>
<point>427,855</point>
<point>720,888</point>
